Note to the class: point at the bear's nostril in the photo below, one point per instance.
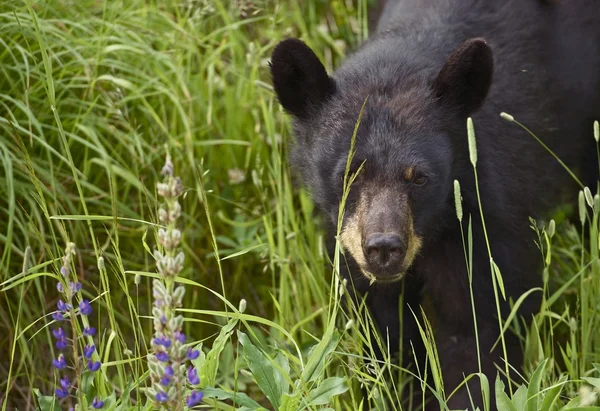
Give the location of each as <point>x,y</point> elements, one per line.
<point>381,249</point>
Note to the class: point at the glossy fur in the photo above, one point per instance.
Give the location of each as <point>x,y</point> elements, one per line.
<point>430,65</point>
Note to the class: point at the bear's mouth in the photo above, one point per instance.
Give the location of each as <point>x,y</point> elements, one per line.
<point>382,279</point>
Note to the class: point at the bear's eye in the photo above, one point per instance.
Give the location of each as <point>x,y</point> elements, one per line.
<point>419,180</point>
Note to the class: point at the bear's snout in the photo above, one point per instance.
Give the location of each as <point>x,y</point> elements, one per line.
<point>384,253</point>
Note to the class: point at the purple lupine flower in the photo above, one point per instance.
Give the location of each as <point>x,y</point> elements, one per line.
<point>85,307</point>
<point>194,398</point>
<point>164,341</point>
<point>169,371</point>
<point>62,343</point>
<point>62,306</point>
<point>58,333</point>
<point>60,393</point>
<point>97,403</point>
<point>88,350</point>
<point>162,396</point>
<point>193,376</point>
<point>93,366</point>
<point>179,336</point>
<point>192,354</point>
<point>165,380</point>
<point>162,356</point>
<point>64,270</point>
<point>60,287</point>
<point>89,331</point>
<point>59,363</point>
<point>65,383</point>
<point>75,287</point>
<point>57,316</point>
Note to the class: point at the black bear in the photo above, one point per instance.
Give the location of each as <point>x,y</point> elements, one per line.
<point>429,66</point>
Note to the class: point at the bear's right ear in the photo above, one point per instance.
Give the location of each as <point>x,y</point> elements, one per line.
<point>300,80</point>
<point>465,79</point>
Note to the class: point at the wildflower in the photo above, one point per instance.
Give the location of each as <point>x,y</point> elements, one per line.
<point>65,306</point>
<point>89,331</point>
<point>97,403</point>
<point>60,393</point>
<point>88,350</point>
<point>162,396</point>
<point>59,363</point>
<point>93,366</point>
<point>192,354</point>
<point>169,355</point>
<point>193,376</point>
<point>194,398</point>
<point>85,307</point>
<point>58,333</point>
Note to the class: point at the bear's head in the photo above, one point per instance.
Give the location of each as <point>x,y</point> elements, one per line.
<point>408,141</point>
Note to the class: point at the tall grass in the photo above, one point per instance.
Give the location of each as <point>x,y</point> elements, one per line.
<point>89,94</point>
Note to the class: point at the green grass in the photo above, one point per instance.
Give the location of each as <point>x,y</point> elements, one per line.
<point>90,93</point>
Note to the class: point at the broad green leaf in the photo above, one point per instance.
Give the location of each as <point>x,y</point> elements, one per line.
<point>290,402</point>
<point>552,395</point>
<point>592,381</point>
<point>262,369</point>
<point>46,402</point>
<point>318,356</point>
<point>209,365</point>
<point>238,398</point>
<point>283,384</point>
<point>519,398</point>
<point>533,392</point>
<point>324,392</point>
<point>503,403</point>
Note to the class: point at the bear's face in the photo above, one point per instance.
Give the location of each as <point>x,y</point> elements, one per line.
<point>404,148</point>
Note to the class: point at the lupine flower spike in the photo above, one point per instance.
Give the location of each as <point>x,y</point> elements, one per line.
<point>167,362</point>
<point>66,315</point>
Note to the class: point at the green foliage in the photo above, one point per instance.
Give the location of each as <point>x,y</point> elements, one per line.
<point>89,94</point>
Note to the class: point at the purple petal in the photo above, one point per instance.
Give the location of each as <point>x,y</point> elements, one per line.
<point>192,354</point>
<point>93,366</point>
<point>85,307</point>
<point>88,350</point>
<point>179,336</point>
<point>162,396</point>
<point>65,383</point>
<point>89,331</point>
<point>61,393</point>
<point>194,398</point>
<point>193,376</point>
<point>60,287</point>
<point>59,363</point>
<point>97,403</point>
<point>64,271</point>
<point>169,371</point>
<point>58,333</point>
<point>62,344</point>
<point>162,356</point>
<point>57,316</point>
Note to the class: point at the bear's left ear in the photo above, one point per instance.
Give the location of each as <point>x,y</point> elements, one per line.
<point>465,79</point>
<point>299,78</point>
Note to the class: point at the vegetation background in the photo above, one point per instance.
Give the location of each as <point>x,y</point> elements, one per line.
<point>90,93</point>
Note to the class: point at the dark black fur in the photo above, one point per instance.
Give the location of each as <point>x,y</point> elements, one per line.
<point>541,63</point>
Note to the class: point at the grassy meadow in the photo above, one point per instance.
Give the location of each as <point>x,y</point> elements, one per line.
<point>93,94</point>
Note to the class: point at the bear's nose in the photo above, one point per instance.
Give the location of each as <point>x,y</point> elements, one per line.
<point>384,250</point>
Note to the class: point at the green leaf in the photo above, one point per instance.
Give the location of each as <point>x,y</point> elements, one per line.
<point>503,403</point>
<point>533,392</point>
<point>282,382</point>
<point>552,395</point>
<point>238,398</point>
<point>290,402</point>
<point>262,369</point>
<point>519,398</point>
<point>498,275</point>
<point>46,402</point>
<point>592,381</point>
<point>318,356</point>
<point>208,365</point>
<point>325,391</point>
